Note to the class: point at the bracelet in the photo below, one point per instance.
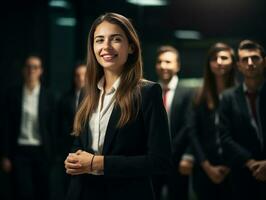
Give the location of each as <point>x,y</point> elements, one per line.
<point>92,162</point>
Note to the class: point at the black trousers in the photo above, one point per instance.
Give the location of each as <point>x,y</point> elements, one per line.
<point>205,189</point>
<point>176,184</point>
<point>246,187</point>
<point>31,174</point>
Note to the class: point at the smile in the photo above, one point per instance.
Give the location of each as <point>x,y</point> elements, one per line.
<point>109,57</point>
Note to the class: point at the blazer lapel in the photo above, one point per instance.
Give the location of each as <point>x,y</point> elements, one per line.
<point>19,103</point>
<point>86,138</point>
<point>73,102</point>
<point>40,107</point>
<point>111,129</point>
<point>262,111</point>
<point>244,107</point>
<point>174,101</point>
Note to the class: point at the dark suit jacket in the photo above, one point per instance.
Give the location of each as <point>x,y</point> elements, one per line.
<point>203,134</point>
<point>13,111</point>
<point>238,136</point>
<point>67,110</point>
<point>181,106</point>
<point>132,153</point>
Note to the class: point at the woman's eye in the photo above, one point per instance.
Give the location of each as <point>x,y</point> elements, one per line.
<point>99,40</point>
<point>117,39</point>
<point>224,57</point>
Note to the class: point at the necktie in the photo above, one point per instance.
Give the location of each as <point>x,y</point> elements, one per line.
<point>252,96</point>
<point>165,91</point>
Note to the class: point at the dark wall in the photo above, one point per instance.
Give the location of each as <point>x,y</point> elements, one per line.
<point>24,29</point>
<point>30,26</point>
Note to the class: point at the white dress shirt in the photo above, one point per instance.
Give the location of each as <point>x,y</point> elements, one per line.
<point>100,118</point>
<point>29,129</point>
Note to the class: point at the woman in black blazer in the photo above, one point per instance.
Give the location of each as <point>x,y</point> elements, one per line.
<point>120,127</point>
<point>210,173</point>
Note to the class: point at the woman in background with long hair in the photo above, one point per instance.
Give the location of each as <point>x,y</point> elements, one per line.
<point>210,179</point>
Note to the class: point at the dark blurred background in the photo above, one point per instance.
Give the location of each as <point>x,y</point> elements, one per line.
<point>57,29</point>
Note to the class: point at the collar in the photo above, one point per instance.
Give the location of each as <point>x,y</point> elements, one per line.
<point>245,88</point>
<point>172,83</point>
<point>114,87</point>
<point>35,91</point>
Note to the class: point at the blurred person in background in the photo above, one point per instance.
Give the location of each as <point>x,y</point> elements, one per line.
<point>177,99</point>
<point>29,133</point>
<point>210,180</point>
<point>68,106</point>
<point>5,191</point>
<point>242,124</point>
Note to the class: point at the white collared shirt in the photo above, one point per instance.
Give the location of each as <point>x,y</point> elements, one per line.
<point>170,94</point>
<point>29,128</point>
<point>99,120</point>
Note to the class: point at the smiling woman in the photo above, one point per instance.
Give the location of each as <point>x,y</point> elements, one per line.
<point>119,143</point>
<point>111,47</point>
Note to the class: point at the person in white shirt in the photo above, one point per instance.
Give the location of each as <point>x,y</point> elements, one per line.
<point>177,100</point>
<point>29,133</point>
<point>118,145</point>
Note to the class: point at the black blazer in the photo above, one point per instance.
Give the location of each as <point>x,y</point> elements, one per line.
<point>203,134</point>
<point>66,114</point>
<point>238,136</point>
<point>46,114</point>
<point>181,106</point>
<point>132,153</point>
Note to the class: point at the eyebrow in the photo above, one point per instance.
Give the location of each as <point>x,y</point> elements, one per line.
<point>250,56</point>
<point>113,35</point>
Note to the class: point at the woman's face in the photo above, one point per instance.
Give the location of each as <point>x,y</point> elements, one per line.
<point>221,63</point>
<point>111,47</point>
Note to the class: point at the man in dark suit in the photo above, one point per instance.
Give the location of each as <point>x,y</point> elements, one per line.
<point>67,109</point>
<point>242,124</point>
<point>29,133</point>
<point>176,99</point>
<point>68,106</point>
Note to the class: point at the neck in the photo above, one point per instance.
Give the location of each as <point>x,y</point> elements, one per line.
<point>31,84</point>
<point>166,82</point>
<point>253,84</point>
<point>220,84</point>
<point>110,79</point>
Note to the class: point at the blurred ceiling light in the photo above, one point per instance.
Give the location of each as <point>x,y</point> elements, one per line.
<point>66,21</point>
<point>59,4</point>
<point>187,34</point>
<point>148,2</point>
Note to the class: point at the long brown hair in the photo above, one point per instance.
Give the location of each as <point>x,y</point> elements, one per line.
<point>128,93</point>
<point>209,88</point>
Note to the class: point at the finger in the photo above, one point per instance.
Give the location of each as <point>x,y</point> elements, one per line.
<point>222,170</point>
<point>78,152</point>
<point>254,166</point>
<point>72,159</point>
<point>72,165</point>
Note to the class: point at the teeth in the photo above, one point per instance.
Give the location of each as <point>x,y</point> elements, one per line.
<point>108,57</point>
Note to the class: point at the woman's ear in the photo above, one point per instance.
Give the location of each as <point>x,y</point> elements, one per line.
<point>131,49</point>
